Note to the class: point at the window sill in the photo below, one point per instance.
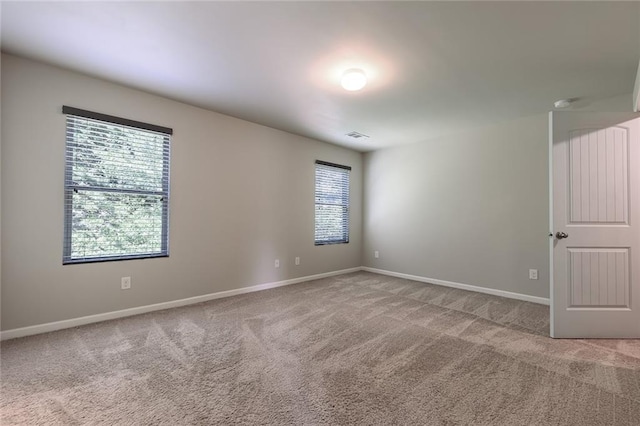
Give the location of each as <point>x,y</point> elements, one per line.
<point>112,259</point>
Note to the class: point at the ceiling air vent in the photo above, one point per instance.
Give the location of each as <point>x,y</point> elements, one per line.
<point>356,135</point>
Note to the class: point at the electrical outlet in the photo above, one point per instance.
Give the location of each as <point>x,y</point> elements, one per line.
<point>277,263</point>
<point>376,254</point>
<point>297,260</point>
<point>125,283</point>
<point>533,274</point>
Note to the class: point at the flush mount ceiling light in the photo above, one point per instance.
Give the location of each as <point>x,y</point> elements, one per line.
<point>562,103</point>
<point>353,79</point>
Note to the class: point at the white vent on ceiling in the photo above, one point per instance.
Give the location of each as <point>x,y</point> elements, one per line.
<point>357,135</point>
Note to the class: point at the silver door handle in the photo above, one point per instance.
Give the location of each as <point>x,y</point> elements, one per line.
<point>561,235</point>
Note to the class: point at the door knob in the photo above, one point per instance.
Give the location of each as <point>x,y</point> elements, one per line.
<point>561,235</point>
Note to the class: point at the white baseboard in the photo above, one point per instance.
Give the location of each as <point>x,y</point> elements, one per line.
<point>494,292</point>
<point>74,322</point>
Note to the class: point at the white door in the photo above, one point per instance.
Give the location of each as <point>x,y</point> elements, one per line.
<point>595,185</point>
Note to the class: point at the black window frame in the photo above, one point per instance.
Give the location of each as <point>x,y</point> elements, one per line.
<point>70,187</point>
<point>343,174</point>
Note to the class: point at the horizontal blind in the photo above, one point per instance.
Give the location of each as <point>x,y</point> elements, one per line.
<point>116,190</point>
<point>331,203</point>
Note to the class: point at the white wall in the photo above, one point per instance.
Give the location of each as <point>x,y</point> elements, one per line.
<point>241,196</point>
<point>636,91</point>
<point>0,191</point>
<point>470,208</point>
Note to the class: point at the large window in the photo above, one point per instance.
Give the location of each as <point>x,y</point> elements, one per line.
<point>332,203</point>
<point>116,188</point>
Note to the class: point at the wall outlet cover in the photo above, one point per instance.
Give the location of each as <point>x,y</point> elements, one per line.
<point>125,283</point>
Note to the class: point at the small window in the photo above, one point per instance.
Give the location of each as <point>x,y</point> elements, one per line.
<point>116,188</point>
<point>332,203</point>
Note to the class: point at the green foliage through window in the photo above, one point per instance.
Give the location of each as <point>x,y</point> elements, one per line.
<point>116,191</point>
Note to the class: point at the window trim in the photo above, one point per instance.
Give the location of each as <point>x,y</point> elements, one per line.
<point>339,166</point>
<point>67,110</point>
<point>69,189</point>
<point>348,206</point>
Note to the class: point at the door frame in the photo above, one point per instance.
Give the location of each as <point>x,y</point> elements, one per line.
<point>551,270</point>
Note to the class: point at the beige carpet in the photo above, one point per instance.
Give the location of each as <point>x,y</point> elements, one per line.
<point>353,349</point>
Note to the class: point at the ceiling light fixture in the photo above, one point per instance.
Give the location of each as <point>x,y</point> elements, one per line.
<point>353,79</point>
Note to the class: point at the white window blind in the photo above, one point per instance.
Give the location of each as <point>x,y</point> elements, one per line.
<point>116,188</point>
<point>332,203</point>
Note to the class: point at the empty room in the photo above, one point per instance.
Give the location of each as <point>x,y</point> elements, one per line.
<point>320,213</point>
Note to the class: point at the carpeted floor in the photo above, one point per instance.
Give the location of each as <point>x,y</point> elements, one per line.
<point>354,349</point>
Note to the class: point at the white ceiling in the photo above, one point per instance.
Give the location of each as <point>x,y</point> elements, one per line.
<point>434,68</point>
